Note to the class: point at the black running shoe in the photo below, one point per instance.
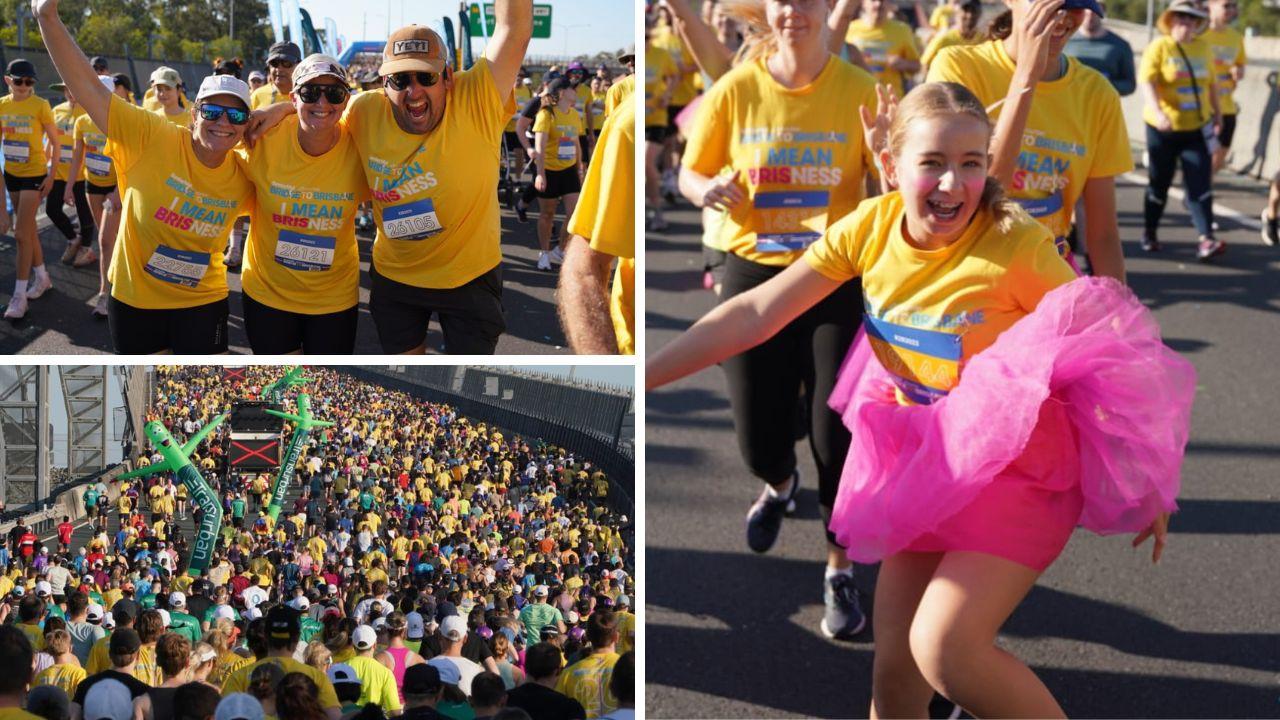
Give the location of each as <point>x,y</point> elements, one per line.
<point>764,519</point>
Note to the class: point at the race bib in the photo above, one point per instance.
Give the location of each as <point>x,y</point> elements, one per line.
<point>925,364</point>
<point>180,267</point>
<point>567,149</point>
<point>65,155</point>
<point>97,164</point>
<point>16,151</point>
<point>1041,207</point>
<point>307,253</point>
<point>411,221</point>
<point>789,221</point>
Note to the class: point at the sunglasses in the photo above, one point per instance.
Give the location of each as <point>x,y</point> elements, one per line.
<point>235,116</point>
<point>335,94</point>
<point>282,64</point>
<point>23,81</point>
<point>401,80</point>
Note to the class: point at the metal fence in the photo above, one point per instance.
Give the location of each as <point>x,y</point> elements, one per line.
<point>138,69</point>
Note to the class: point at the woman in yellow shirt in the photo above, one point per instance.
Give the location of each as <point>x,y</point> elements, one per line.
<point>557,157</point>
<point>964,526</point>
<point>888,46</point>
<point>1180,109</point>
<point>169,102</point>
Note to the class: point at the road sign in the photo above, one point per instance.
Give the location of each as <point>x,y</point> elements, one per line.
<point>541,20</point>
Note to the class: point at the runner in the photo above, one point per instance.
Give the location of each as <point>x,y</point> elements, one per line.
<point>282,58</point>
<point>576,74</point>
<point>302,269</point>
<point>888,45</point>
<point>557,157</point>
<point>77,252</point>
<point>170,104</point>
<point>1228,70</point>
<point>781,192</point>
<point>684,92</point>
<point>29,135</point>
<point>661,74</point>
<point>965,32</point>
<point>516,154</point>
<point>1060,134</point>
<point>169,291</point>
<point>525,136</point>
<point>93,166</point>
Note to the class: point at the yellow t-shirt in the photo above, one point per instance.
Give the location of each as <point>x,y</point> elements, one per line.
<point>177,213</point>
<point>302,255</point>
<point>685,91</point>
<point>587,681</point>
<point>1227,45</point>
<point>377,683</point>
<point>22,124</point>
<point>562,130</point>
<point>605,215</point>
<point>1075,130</point>
<point>182,119</point>
<point>946,39</point>
<point>65,118</point>
<point>940,18</point>
<point>238,681</point>
<point>582,98</point>
<point>891,39</point>
<point>802,166</point>
<point>266,95</point>
<point>659,70</point>
<point>150,102</point>
<point>437,216</point>
<point>599,113</point>
<point>618,92</point>
<point>1165,66</point>
<point>520,95</point>
<point>626,632</point>
<point>34,633</point>
<point>929,311</point>
<point>13,713</point>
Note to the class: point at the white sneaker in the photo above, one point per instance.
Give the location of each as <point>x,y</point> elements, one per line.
<point>39,286</point>
<point>100,306</point>
<point>86,257</point>
<point>544,261</point>
<point>235,254</point>
<point>557,255</point>
<point>17,308</point>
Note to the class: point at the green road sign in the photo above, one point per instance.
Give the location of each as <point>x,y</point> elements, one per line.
<point>541,20</point>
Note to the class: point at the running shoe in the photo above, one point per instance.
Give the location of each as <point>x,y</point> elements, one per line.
<point>557,256</point>
<point>669,187</point>
<point>86,257</point>
<point>17,308</point>
<point>100,306</point>
<point>522,211</point>
<point>1210,247</point>
<point>764,519</point>
<point>1150,243</point>
<point>39,285</point>
<point>655,222</point>
<point>70,253</point>
<point>843,617</point>
<point>235,253</point>
<point>544,261</point>
<point>1270,230</point>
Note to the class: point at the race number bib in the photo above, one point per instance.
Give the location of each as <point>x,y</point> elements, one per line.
<point>790,221</point>
<point>16,151</point>
<point>180,267</point>
<point>411,221</point>
<point>97,164</point>
<point>307,253</point>
<point>65,155</point>
<point>567,150</point>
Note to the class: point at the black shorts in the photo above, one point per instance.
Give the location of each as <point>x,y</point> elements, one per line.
<point>561,183</point>
<point>713,261</point>
<point>99,189</point>
<point>512,142</point>
<point>673,111</point>
<point>655,133</point>
<point>14,184</point>
<point>1228,130</point>
<point>199,330</point>
<point>279,332</point>
<point>470,315</point>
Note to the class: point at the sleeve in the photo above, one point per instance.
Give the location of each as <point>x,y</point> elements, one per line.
<point>1152,58</point>
<point>944,68</point>
<point>836,255</point>
<point>605,214</point>
<point>707,150</point>
<point>543,122</point>
<point>130,130</point>
<point>46,115</point>
<point>77,128</point>
<point>1038,271</point>
<point>1240,57</point>
<point>328,697</point>
<point>481,99</point>
<point>1112,156</point>
<point>931,50</point>
<point>1125,80</point>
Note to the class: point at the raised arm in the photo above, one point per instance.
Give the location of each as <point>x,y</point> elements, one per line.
<point>711,55</point>
<point>71,63</point>
<point>513,27</point>
<point>1031,62</point>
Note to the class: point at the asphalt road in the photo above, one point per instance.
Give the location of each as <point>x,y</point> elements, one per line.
<point>734,634</point>
<point>60,323</point>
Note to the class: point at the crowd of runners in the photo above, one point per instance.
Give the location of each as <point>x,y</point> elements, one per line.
<point>429,566</point>
<point>900,209</point>
<point>278,172</point>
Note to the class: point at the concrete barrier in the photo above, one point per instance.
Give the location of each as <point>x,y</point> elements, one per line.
<point>1255,150</point>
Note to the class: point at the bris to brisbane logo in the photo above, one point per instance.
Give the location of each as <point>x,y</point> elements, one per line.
<point>412,46</point>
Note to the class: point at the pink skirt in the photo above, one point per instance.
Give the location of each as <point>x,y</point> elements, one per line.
<point>1076,415</point>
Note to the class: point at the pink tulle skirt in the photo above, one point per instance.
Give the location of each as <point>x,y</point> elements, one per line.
<point>1076,415</point>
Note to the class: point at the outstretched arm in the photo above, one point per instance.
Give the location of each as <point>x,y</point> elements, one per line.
<point>71,63</point>
<point>711,56</point>
<point>513,27</point>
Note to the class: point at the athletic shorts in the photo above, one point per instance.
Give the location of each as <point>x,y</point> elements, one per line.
<point>561,183</point>
<point>99,189</point>
<point>513,143</point>
<point>673,111</point>
<point>1228,130</point>
<point>713,261</point>
<point>470,315</point>
<point>655,133</point>
<point>14,184</point>
<point>273,331</point>
<point>199,330</point>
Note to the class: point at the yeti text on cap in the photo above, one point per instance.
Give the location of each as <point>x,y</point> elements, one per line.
<point>403,47</point>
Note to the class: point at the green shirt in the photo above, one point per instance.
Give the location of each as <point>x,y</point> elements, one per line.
<point>537,616</point>
<point>90,499</point>
<point>309,627</point>
<point>456,710</point>
<point>237,508</point>
<point>185,625</point>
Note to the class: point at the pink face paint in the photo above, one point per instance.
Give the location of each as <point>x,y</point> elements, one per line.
<point>925,184</point>
<point>975,186</point>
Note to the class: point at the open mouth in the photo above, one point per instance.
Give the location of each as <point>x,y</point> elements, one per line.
<point>416,110</point>
<point>319,114</point>
<point>944,211</point>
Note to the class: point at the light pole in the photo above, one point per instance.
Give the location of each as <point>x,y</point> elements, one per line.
<point>566,29</point>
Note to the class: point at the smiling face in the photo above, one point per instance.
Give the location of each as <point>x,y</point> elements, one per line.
<point>797,21</point>
<point>221,135</point>
<point>321,115</point>
<point>418,109</point>
<point>1183,28</point>
<point>940,167</point>
<point>20,91</point>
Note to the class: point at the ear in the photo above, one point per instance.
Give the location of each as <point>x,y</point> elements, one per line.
<point>888,168</point>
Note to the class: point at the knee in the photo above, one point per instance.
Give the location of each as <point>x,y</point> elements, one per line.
<point>942,651</point>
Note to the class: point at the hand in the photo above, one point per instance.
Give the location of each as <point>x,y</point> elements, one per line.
<point>69,196</point>
<point>39,7</point>
<point>1163,123</point>
<point>46,186</point>
<point>1217,126</point>
<point>875,128</point>
<point>531,153</point>
<point>1033,36</point>
<point>540,183</point>
<point>724,192</point>
<point>1160,529</point>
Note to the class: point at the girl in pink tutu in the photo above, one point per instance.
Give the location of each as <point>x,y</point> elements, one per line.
<point>996,401</point>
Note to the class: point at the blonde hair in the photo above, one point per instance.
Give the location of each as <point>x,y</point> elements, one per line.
<point>220,635</point>
<point>318,655</point>
<point>57,642</point>
<point>935,99</point>
<point>758,39</point>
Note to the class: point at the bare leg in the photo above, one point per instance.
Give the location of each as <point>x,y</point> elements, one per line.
<point>25,205</point>
<point>652,179</point>
<point>1273,197</point>
<point>898,689</point>
<point>104,257</point>
<point>546,217</point>
<point>570,202</point>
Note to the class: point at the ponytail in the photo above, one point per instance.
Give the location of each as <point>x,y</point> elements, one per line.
<point>994,200</point>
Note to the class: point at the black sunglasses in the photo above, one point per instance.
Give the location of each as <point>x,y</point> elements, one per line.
<point>335,94</point>
<point>23,81</point>
<point>282,64</point>
<point>401,80</point>
<point>235,116</point>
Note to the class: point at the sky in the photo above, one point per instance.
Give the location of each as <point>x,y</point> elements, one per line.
<point>580,26</point>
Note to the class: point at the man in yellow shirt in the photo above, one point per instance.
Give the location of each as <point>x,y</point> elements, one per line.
<point>283,632</point>
<point>587,680</point>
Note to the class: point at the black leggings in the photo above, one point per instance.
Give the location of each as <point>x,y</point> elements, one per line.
<point>53,208</point>
<point>766,382</point>
<point>1164,149</point>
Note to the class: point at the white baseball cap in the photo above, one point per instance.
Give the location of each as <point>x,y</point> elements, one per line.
<point>364,637</point>
<point>224,611</point>
<point>177,599</point>
<point>44,589</point>
<point>94,612</point>
<point>342,673</point>
<point>224,85</point>
<point>414,626</point>
<point>454,628</point>
<point>300,603</point>
<point>164,615</point>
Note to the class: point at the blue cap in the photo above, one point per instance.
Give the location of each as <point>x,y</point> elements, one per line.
<point>1090,5</point>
